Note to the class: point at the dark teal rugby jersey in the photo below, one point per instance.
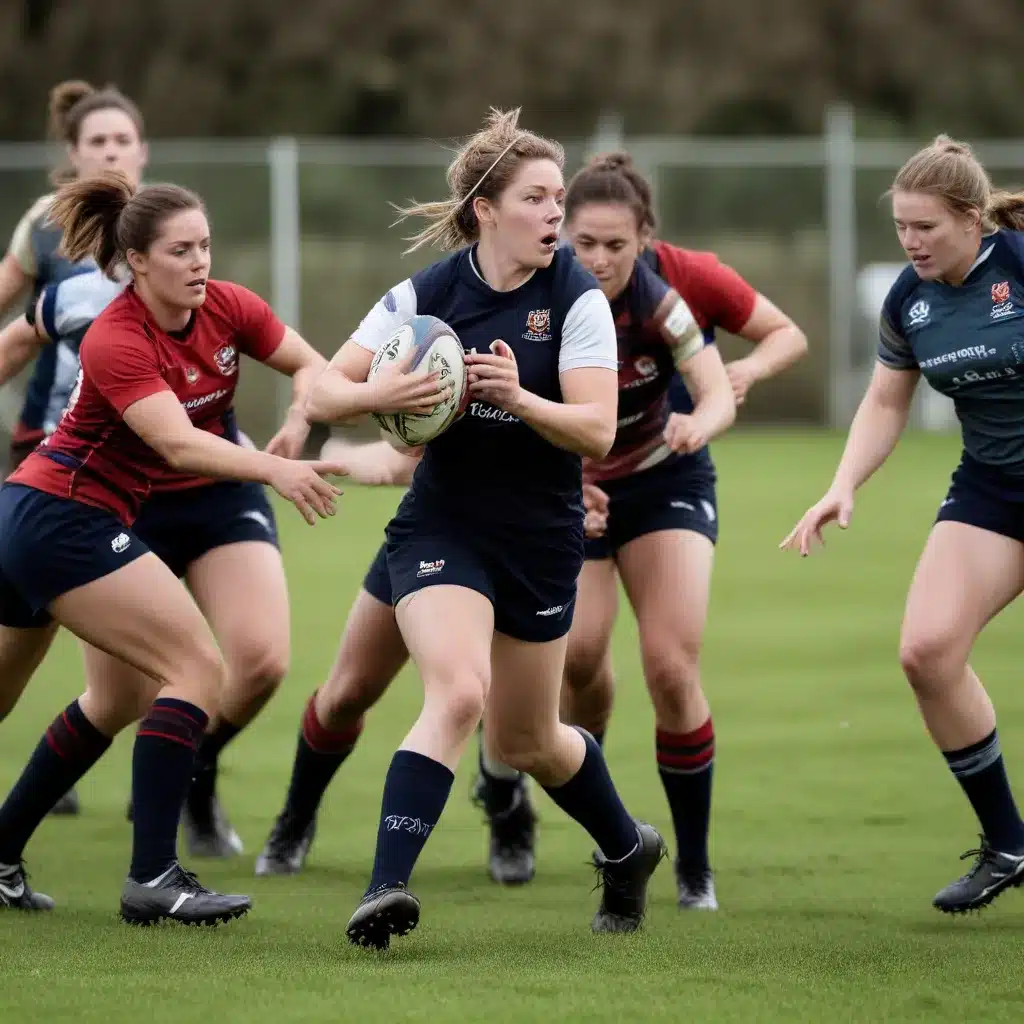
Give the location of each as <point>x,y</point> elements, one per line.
<point>968,342</point>
<point>489,469</point>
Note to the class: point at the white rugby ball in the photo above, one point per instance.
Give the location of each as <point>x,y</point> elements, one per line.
<point>437,350</point>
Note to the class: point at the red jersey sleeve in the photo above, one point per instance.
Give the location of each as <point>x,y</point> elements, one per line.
<point>122,365</point>
<point>259,330</point>
<point>717,294</point>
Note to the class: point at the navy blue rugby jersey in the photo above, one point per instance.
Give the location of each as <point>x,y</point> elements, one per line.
<point>35,245</point>
<point>490,468</point>
<point>67,310</point>
<point>968,342</point>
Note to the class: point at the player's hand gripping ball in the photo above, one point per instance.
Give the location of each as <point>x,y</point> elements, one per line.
<point>428,356</point>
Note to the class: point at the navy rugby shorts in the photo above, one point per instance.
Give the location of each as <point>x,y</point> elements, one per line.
<point>50,545</point>
<point>665,497</point>
<point>182,526</point>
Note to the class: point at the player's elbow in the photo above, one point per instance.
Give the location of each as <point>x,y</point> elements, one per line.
<point>600,437</point>
<point>798,343</point>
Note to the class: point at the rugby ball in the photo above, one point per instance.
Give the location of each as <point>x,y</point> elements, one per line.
<point>436,349</point>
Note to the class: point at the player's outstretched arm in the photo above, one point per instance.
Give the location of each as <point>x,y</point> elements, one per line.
<point>19,345</point>
<point>880,420</point>
<point>375,464</point>
<point>162,422</point>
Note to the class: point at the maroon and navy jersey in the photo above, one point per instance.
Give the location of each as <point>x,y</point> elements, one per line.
<point>655,329</point>
<point>716,296</point>
<point>93,456</point>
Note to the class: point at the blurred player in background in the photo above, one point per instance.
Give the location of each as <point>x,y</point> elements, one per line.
<point>652,505</point>
<point>100,129</point>
<point>484,552</point>
<point>161,355</point>
<point>954,315</point>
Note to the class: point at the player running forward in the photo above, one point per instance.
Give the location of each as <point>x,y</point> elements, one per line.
<point>496,504</point>
<point>158,375</point>
<point>953,315</point>
<point>652,507</point>
<point>100,129</point>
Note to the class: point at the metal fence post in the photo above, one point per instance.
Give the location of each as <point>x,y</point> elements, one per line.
<point>841,225</point>
<point>285,245</point>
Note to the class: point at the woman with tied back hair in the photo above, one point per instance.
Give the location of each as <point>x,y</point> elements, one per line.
<point>955,315</point>
<point>159,367</point>
<point>485,549</point>
<point>652,506</point>
<point>100,129</point>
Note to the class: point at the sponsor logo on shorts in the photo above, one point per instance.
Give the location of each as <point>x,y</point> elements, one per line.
<point>683,504</point>
<point>191,374</point>
<point>430,568</point>
<point>258,517</point>
<point>553,610</point>
<point>120,543</point>
<point>709,510</point>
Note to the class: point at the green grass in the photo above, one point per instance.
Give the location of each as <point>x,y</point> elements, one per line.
<point>835,819</point>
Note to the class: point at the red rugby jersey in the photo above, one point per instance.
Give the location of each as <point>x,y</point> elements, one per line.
<point>93,456</point>
<point>716,294</point>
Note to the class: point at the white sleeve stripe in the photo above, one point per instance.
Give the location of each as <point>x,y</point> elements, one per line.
<point>588,334</point>
<point>390,312</point>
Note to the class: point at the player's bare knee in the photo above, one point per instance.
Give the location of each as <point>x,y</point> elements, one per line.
<point>199,676</point>
<point>583,664</point>
<point>348,696</point>
<point>929,659</point>
<point>260,669</point>
<point>672,672</point>
<point>519,749</point>
<point>462,696</point>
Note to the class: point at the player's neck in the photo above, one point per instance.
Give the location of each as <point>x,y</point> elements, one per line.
<point>168,318</point>
<point>498,271</point>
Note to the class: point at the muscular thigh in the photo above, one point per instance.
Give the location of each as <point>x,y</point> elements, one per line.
<point>965,576</point>
<point>667,577</point>
<point>243,594</point>
<point>526,682</point>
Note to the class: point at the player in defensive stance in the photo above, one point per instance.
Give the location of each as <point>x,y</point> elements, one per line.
<point>158,375</point>
<point>953,315</point>
<point>485,550</point>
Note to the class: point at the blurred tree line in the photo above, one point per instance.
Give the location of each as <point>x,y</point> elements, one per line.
<point>429,67</point>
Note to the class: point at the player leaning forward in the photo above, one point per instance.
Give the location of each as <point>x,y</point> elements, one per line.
<point>956,316</point>
<point>495,512</point>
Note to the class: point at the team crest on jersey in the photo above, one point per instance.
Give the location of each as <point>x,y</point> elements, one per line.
<point>538,325</point>
<point>191,374</point>
<point>226,359</point>
<point>1001,302</point>
<point>646,366</point>
<point>918,313</point>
